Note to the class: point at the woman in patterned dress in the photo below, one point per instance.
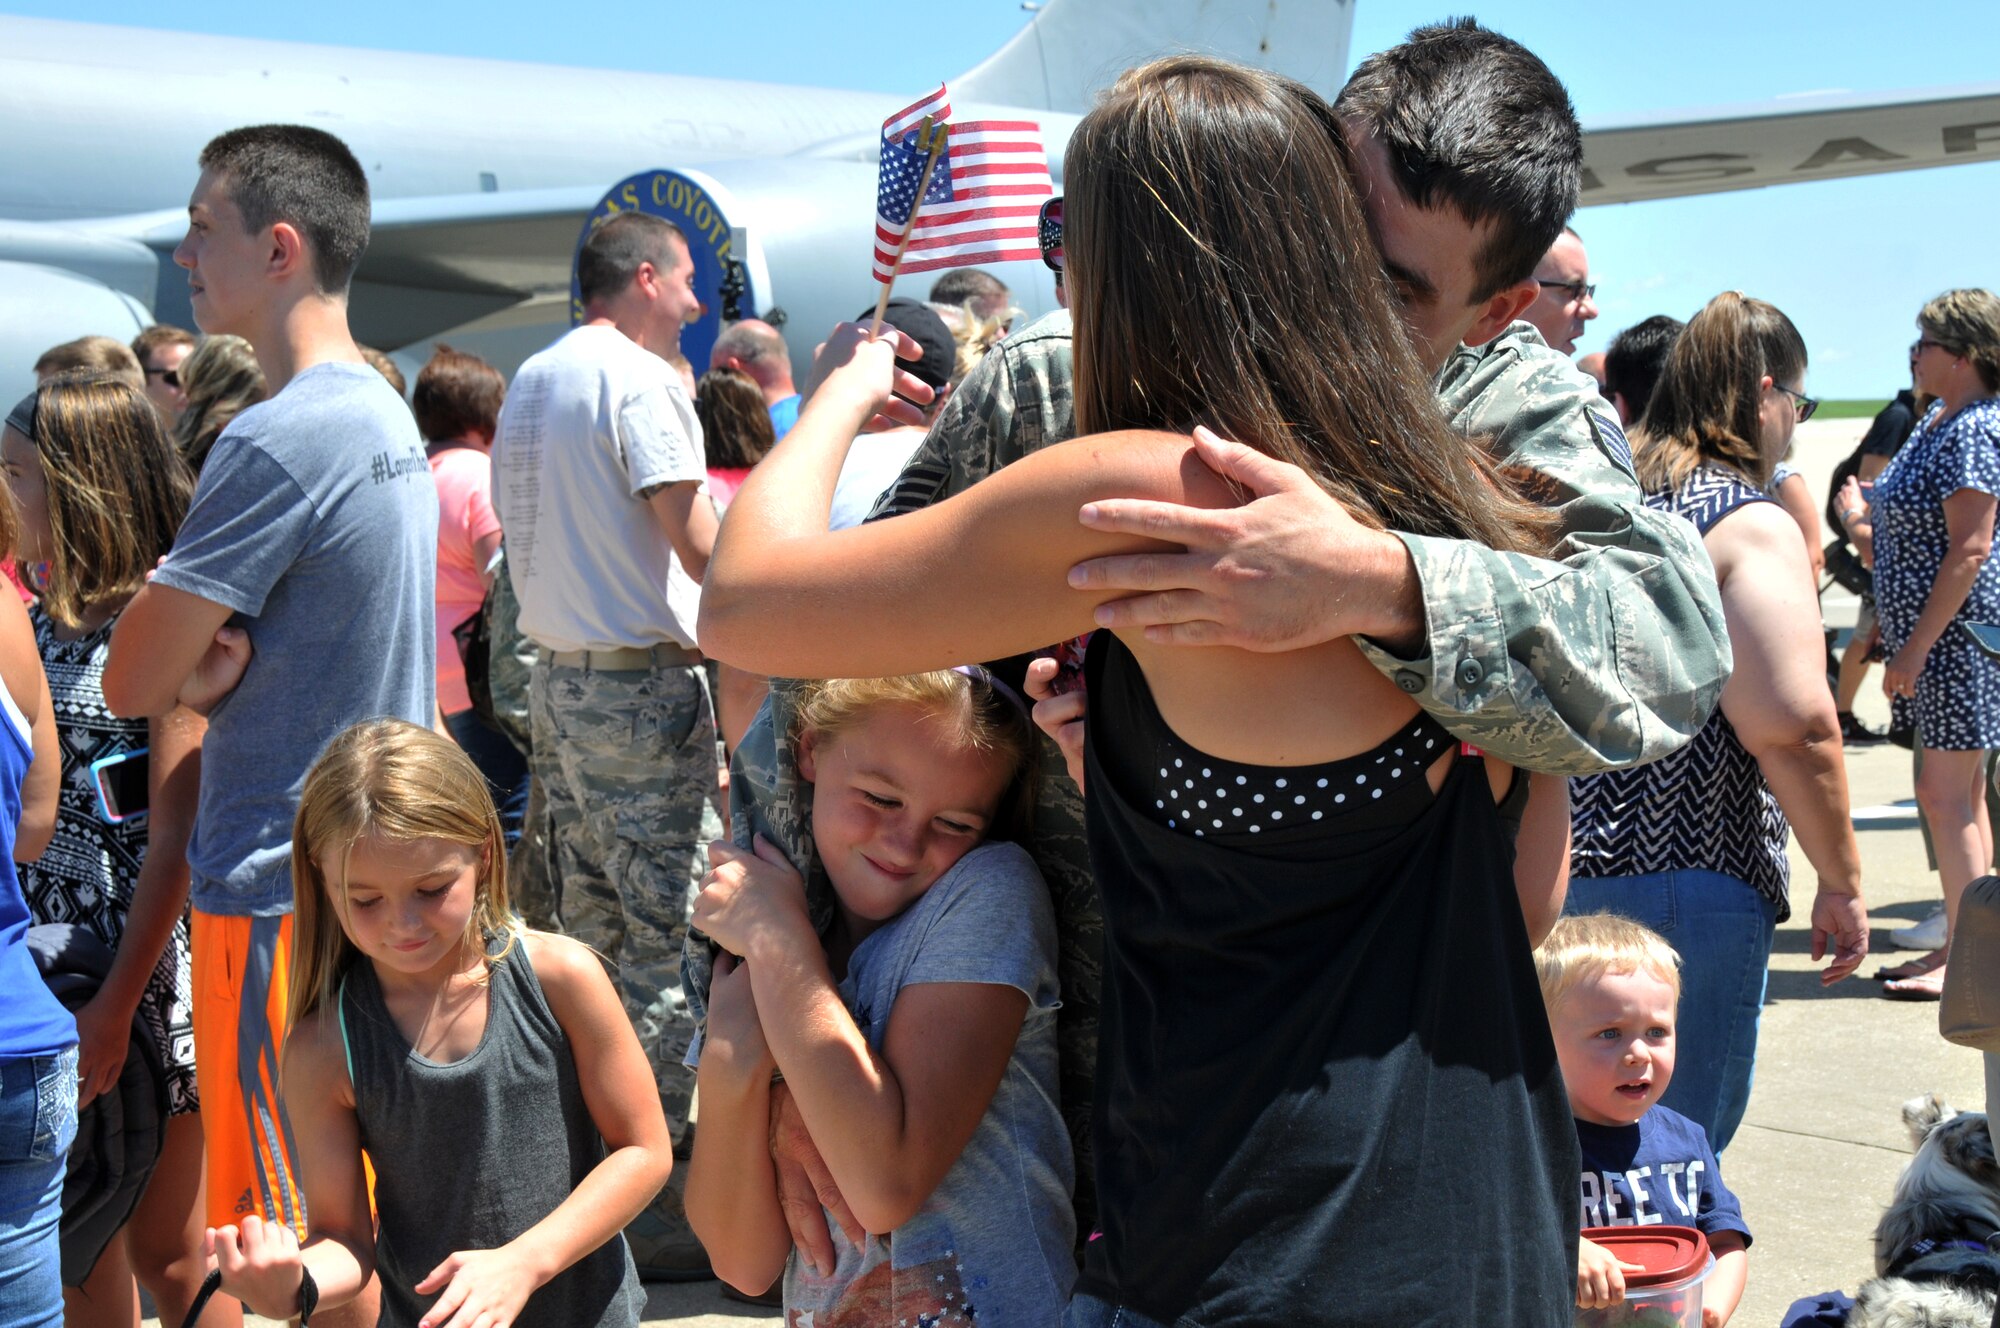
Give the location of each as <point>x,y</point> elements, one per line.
<point>1931,524</point>
<point>1693,846</point>
<point>100,491</point>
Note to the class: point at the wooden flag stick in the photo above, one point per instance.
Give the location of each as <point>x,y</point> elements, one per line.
<point>933,137</point>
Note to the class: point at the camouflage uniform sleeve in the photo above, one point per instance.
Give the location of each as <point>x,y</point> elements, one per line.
<point>766,797</point>
<point>1610,652</point>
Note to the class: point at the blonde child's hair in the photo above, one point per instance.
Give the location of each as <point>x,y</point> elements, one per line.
<point>978,713</point>
<point>402,782</point>
<point>1584,949</point>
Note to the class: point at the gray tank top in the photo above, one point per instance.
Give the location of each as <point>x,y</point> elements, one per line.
<point>469,1155</point>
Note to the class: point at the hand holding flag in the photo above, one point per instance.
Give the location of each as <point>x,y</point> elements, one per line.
<point>976,201</point>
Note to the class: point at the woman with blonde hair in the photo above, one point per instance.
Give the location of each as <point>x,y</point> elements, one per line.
<point>1693,845</point>
<point>1318,921</point>
<point>100,492</point>
<point>1931,524</point>
<point>221,379</point>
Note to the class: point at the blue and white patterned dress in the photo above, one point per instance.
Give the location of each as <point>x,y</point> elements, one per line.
<point>1957,706</point>
<point>1704,806</point>
<point>88,872</point>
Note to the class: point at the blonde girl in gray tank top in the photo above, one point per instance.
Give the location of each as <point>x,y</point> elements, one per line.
<point>490,1073</point>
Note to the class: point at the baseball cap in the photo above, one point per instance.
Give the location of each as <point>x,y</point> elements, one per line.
<point>921,324</point>
<point>22,418</point>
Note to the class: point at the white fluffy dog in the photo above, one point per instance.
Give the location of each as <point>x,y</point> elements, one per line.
<point>1934,1265</point>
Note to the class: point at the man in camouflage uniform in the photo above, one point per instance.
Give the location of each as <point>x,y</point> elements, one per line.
<point>1610,653</point>
<point>510,664</point>
<point>598,477</point>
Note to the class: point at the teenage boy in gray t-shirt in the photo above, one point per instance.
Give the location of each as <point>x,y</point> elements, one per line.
<point>296,601</point>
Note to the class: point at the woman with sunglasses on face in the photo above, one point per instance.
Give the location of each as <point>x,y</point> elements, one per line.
<point>1931,524</point>
<point>1319,1006</point>
<point>1693,845</point>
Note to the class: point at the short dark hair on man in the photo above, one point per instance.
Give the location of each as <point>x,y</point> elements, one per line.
<point>1472,119</point>
<point>1633,361</point>
<point>157,338</point>
<point>457,395</point>
<point>964,284</point>
<point>305,177</point>
<point>614,251</point>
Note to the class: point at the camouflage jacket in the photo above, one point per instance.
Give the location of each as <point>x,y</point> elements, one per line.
<point>1613,655</point>
<point>1609,655</point>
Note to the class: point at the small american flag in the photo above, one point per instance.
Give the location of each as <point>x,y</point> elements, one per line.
<point>983,199</point>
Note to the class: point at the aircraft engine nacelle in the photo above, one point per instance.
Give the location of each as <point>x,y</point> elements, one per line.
<point>43,306</point>
<point>802,231</point>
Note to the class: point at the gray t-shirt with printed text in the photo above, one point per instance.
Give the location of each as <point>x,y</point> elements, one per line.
<point>315,522</point>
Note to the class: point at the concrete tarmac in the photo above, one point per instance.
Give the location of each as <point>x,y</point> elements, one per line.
<point>1823,1141</point>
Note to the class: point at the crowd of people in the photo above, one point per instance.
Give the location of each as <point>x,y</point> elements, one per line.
<point>1130,886</point>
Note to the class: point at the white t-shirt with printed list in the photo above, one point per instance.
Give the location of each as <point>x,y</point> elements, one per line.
<point>588,424</point>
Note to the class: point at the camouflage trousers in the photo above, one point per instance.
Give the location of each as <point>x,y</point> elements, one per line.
<point>625,763</point>
<point>531,880</point>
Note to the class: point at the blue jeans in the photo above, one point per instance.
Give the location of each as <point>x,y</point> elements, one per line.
<point>1087,1311</point>
<point>498,759</point>
<point>1722,929</point>
<point>37,1125</point>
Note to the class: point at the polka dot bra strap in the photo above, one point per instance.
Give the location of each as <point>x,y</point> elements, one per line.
<point>1194,792</point>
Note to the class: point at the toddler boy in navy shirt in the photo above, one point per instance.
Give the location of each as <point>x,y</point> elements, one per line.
<point>1611,987</point>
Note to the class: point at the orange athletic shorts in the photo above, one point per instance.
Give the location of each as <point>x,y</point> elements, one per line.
<point>240,968</point>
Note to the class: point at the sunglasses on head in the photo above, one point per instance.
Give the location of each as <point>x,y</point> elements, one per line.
<point>1048,233</point>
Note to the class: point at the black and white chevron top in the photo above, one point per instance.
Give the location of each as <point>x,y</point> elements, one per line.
<point>1705,807</point>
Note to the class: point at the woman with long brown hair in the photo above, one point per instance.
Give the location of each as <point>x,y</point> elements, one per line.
<point>101,490</point>
<point>221,378</point>
<point>1693,845</point>
<point>1319,1005</point>
<point>735,429</point>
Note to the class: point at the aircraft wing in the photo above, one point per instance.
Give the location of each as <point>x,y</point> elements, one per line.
<point>1813,137</point>
<point>432,263</point>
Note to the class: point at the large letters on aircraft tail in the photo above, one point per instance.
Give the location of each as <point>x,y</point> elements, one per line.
<point>696,204</point>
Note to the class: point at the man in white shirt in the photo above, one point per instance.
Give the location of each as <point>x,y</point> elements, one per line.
<point>597,478</point>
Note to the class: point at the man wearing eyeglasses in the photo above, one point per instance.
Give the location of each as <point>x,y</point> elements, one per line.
<point>1564,304</point>
<point>162,349</point>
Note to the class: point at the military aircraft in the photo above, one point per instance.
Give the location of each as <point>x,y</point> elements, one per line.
<point>478,213</point>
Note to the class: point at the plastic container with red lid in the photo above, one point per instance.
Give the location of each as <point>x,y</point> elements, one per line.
<point>1668,1293</point>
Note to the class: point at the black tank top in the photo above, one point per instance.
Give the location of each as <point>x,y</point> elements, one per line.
<point>471,1154</point>
<point>1326,1089</point>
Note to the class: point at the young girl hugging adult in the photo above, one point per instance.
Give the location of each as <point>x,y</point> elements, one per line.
<point>916,1029</point>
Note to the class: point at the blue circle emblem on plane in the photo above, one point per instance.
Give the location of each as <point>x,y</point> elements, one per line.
<point>691,202</point>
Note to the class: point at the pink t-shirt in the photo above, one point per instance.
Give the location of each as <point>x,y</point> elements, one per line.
<point>464,478</point>
<point>723,482</point>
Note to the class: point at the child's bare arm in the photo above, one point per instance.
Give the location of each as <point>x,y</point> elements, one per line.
<point>262,1262</point>
<point>624,1104</point>
<point>732,1189</point>
<point>1724,1288</point>
<point>888,1125</point>
<point>1600,1276</point>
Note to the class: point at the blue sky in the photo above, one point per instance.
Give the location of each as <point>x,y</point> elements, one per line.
<point>1850,260</point>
